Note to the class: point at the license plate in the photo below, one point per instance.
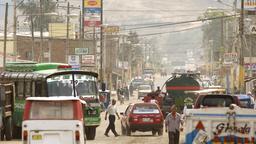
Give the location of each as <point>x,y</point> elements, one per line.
<point>36,137</point>
<point>146,119</point>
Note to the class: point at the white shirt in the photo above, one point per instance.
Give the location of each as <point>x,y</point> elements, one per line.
<point>112,110</point>
<point>153,101</point>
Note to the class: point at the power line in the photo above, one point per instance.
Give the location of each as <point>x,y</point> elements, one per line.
<point>178,23</point>
<point>160,33</point>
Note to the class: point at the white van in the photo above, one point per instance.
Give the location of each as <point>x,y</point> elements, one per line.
<point>53,120</point>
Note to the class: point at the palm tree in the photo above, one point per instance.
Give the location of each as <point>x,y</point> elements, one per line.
<point>32,8</point>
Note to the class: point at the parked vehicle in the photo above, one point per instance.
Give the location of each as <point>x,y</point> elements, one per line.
<point>142,117</point>
<point>246,101</point>
<point>48,80</point>
<point>215,100</point>
<point>220,125</point>
<point>6,110</point>
<point>53,120</point>
<point>143,90</point>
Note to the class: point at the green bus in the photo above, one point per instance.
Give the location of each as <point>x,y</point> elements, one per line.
<point>53,79</point>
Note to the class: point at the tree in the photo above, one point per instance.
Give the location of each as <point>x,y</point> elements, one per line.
<point>32,8</point>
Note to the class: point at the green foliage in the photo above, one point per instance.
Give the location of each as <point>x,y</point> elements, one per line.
<point>32,8</point>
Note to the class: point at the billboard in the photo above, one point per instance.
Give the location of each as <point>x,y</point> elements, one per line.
<point>88,59</point>
<point>92,13</point>
<point>92,3</point>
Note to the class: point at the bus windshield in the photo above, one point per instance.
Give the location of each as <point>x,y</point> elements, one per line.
<point>62,85</point>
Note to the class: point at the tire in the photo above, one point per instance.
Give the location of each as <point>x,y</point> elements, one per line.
<point>16,132</point>
<point>1,135</point>
<point>123,130</point>
<point>154,132</point>
<point>128,131</point>
<point>90,133</point>
<point>160,132</point>
<point>8,129</point>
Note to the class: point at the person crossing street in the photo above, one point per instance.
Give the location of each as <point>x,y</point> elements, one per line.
<point>111,111</point>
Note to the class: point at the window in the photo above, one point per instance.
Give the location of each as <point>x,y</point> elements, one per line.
<point>144,109</point>
<point>51,110</point>
<point>20,90</point>
<point>28,89</point>
<point>217,101</point>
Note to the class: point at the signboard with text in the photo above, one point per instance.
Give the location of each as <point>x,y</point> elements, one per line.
<point>74,61</point>
<point>88,59</point>
<point>92,13</point>
<point>79,51</point>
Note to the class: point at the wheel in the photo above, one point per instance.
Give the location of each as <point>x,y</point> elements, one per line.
<point>123,130</point>
<point>90,133</point>
<point>128,131</point>
<point>16,132</point>
<point>153,132</point>
<point>1,134</point>
<point>160,131</point>
<point>8,129</point>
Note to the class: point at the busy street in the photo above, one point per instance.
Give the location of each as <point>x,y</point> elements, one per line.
<point>127,72</point>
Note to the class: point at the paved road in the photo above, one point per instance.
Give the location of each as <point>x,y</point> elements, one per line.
<point>136,138</point>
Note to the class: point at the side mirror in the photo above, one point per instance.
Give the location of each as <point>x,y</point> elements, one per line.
<point>103,86</point>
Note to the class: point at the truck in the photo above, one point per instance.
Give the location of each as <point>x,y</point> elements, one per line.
<point>175,88</point>
<point>220,125</point>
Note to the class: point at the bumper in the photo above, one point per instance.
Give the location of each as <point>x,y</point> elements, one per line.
<point>145,127</point>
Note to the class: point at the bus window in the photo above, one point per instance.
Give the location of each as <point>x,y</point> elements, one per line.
<point>27,89</point>
<point>38,88</point>
<point>20,90</point>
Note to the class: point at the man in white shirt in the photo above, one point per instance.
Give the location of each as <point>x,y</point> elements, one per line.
<point>172,125</point>
<point>111,111</point>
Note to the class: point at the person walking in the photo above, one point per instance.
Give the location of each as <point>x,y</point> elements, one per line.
<point>172,125</point>
<point>111,111</point>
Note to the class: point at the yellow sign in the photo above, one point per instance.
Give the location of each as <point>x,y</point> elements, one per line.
<point>92,3</point>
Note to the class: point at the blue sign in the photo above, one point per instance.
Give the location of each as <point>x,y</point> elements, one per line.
<point>92,10</point>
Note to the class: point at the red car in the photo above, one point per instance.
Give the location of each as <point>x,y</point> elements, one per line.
<point>142,117</point>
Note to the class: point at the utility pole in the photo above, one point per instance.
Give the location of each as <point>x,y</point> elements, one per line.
<point>101,44</point>
<point>15,29</point>
<point>5,34</point>
<point>32,37</point>
<point>241,54</point>
<point>41,32</point>
<point>67,36</point>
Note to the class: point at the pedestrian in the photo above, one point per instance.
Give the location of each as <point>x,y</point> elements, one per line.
<point>158,89</point>
<point>111,111</point>
<point>172,125</point>
<point>153,100</point>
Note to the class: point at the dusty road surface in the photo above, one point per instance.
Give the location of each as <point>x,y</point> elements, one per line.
<point>136,138</point>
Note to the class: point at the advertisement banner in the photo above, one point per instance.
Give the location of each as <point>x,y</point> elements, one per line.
<point>88,59</point>
<point>92,11</point>
<point>79,51</point>
<point>73,60</point>
<point>92,3</point>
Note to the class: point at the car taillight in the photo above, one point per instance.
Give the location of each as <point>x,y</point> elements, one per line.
<point>77,135</point>
<point>25,136</point>
<point>158,118</point>
<point>64,67</point>
<point>133,118</point>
